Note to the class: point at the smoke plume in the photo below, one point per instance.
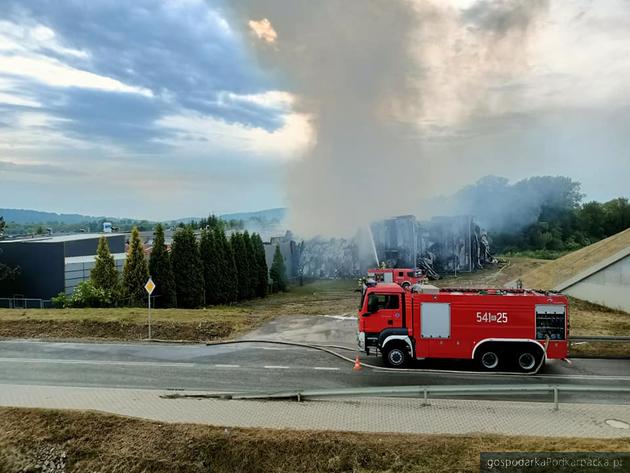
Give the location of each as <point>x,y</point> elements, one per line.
<point>383,82</point>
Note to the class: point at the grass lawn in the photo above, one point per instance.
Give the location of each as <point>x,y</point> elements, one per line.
<point>88,441</point>
<point>592,319</point>
<point>320,297</point>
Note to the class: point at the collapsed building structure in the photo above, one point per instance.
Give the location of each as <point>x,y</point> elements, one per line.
<point>442,245</point>
<point>439,246</point>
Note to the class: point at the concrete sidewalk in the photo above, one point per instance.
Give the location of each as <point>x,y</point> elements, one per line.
<point>360,415</point>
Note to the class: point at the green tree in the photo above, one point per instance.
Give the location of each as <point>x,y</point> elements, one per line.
<point>278,272</point>
<point>135,272</point>
<point>261,266</point>
<point>240,260</point>
<point>212,272</point>
<point>228,282</point>
<point>187,269</point>
<point>104,274</point>
<point>161,271</point>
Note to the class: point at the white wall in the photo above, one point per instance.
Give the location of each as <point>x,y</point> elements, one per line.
<point>609,287</point>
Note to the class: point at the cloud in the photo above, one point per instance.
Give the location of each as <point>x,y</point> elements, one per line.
<point>37,169</point>
<point>119,80</point>
<point>197,132</point>
<point>55,73</point>
<point>263,29</point>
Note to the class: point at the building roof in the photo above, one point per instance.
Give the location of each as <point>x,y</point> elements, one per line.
<point>91,258</point>
<point>61,238</point>
<point>570,269</point>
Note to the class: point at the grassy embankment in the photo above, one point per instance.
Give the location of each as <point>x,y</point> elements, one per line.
<point>87,441</point>
<point>321,297</point>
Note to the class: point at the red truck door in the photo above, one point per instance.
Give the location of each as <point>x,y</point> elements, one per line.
<point>383,311</point>
<point>435,330</point>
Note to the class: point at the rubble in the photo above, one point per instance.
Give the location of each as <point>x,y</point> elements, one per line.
<point>442,245</point>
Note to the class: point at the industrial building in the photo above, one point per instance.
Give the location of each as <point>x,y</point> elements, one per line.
<point>290,251</point>
<point>54,264</point>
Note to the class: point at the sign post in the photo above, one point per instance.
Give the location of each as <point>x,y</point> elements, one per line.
<point>149,287</point>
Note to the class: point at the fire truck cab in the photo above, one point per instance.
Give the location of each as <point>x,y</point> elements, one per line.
<point>498,328</point>
<point>404,277</point>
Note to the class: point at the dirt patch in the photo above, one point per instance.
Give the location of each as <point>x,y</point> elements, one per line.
<point>115,330</point>
<point>508,269</point>
<point>90,442</point>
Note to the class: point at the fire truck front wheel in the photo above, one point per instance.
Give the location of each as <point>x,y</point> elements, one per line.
<point>489,358</point>
<point>396,355</point>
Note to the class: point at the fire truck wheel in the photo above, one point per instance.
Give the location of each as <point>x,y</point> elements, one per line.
<point>489,359</point>
<point>406,285</point>
<point>396,356</point>
<point>527,361</point>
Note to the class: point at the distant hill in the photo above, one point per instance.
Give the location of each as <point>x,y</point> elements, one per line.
<point>35,216</point>
<point>269,214</point>
<point>25,216</point>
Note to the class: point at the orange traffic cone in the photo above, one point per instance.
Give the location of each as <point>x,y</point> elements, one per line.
<point>357,364</point>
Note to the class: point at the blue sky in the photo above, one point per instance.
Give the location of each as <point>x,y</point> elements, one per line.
<point>164,109</point>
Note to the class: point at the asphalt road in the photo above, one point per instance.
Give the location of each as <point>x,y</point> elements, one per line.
<point>256,367</point>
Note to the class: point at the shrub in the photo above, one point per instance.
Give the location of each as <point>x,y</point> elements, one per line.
<point>61,301</point>
<point>86,294</point>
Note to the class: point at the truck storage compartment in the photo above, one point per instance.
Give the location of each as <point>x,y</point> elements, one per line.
<point>550,322</point>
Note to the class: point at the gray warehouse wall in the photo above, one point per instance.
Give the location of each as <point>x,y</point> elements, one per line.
<point>42,263</point>
<point>609,287</point>
<point>41,269</point>
<point>88,246</point>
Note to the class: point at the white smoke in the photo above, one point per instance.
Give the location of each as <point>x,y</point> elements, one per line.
<point>383,82</point>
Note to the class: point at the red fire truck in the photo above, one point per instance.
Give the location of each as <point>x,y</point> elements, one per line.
<point>499,329</point>
<point>404,277</point>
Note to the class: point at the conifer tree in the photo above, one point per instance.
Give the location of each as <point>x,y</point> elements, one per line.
<point>161,271</point>
<point>228,282</point>
<point>104,274</point>
<point>212,270</point>
<point>240,260</point>
<point>187,269</point>
<point>262,270</point>
<point>252,265</point>
<point>278,272</point>
<point>135,272</point>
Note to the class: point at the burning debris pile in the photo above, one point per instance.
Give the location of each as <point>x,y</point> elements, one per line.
<point>440,246</point>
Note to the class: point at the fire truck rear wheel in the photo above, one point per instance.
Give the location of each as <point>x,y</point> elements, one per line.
<point>489,359</point>
<point>396,356</point>
<point>527,361</point>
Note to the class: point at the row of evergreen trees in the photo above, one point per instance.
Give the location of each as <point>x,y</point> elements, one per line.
<point>196,272</point>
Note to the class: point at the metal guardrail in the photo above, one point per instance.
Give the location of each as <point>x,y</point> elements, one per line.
<point>425,391</point>
<point>599,338</point>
